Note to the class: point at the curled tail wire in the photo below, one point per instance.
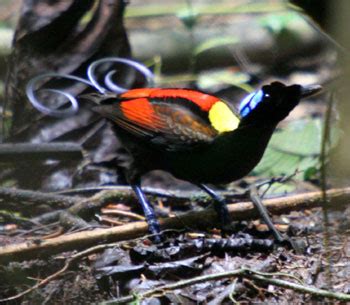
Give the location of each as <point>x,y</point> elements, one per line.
<point>109,86</point>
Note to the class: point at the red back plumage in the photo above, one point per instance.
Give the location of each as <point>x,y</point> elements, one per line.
<point>203,100</point>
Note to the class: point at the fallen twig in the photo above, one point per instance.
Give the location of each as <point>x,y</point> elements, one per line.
<point>24,199</point>
<point>205,218</point>
<point>242,272</point>
<point>176,196</point>
<point>14,152</point>
<point>122,213</point>
<point>69,261</point>
<point>60,272</point>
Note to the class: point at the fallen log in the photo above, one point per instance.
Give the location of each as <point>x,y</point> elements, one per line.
<point>15,152</point>
<point>238,211</point>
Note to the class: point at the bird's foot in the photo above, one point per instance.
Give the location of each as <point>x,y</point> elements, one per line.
<point>220,208</point>
<point>226,224</point>
<point>298,245</point>
<point>157,238</point>
<point>153,226</point>
<point>228,229</point>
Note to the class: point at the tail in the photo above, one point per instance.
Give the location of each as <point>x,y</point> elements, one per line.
<point>98,98</point>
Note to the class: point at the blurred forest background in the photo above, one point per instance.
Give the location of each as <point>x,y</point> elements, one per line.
<point>226,48</point>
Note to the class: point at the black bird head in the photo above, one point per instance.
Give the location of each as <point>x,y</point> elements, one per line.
<point>273,102</point>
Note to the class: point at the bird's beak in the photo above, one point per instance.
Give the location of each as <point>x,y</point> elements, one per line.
<point>307,91</point>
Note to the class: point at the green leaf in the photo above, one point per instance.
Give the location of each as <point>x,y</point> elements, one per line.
<point>215,43</point>
<point>301,138</point>
<point>297,147</point>
<point>276,23</point>
<point>188,17</point>
<point>311,173</point>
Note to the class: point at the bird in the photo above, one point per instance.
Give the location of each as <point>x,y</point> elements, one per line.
<point>195,136</point>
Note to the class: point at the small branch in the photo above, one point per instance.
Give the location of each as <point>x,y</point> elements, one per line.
<point>123,214</point>
<point>39,284</point>
<point>179,285</point>
<point>205,218</point>
<point>243,272</point>
<point>175,195</point>
<point>68,221</point>
<point>27,198</point>
<point>60,272</point>
<point>40,151</point>
<point>88,206</point>
<point>296,287</point>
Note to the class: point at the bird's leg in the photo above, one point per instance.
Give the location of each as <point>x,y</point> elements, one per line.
<point>219,206</point>
<point>153,224</point>
<point>256,199</point>
<point>264,214</point>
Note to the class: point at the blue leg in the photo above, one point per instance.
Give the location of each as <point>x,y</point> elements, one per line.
<point>148,211</point>
<point>219,206</point>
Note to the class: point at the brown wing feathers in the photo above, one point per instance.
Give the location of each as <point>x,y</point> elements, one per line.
<point>165,122</point>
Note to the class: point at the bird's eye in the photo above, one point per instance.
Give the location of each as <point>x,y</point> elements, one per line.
<point>250,102</point>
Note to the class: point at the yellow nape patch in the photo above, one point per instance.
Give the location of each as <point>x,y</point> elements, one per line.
<point>222,118</point>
